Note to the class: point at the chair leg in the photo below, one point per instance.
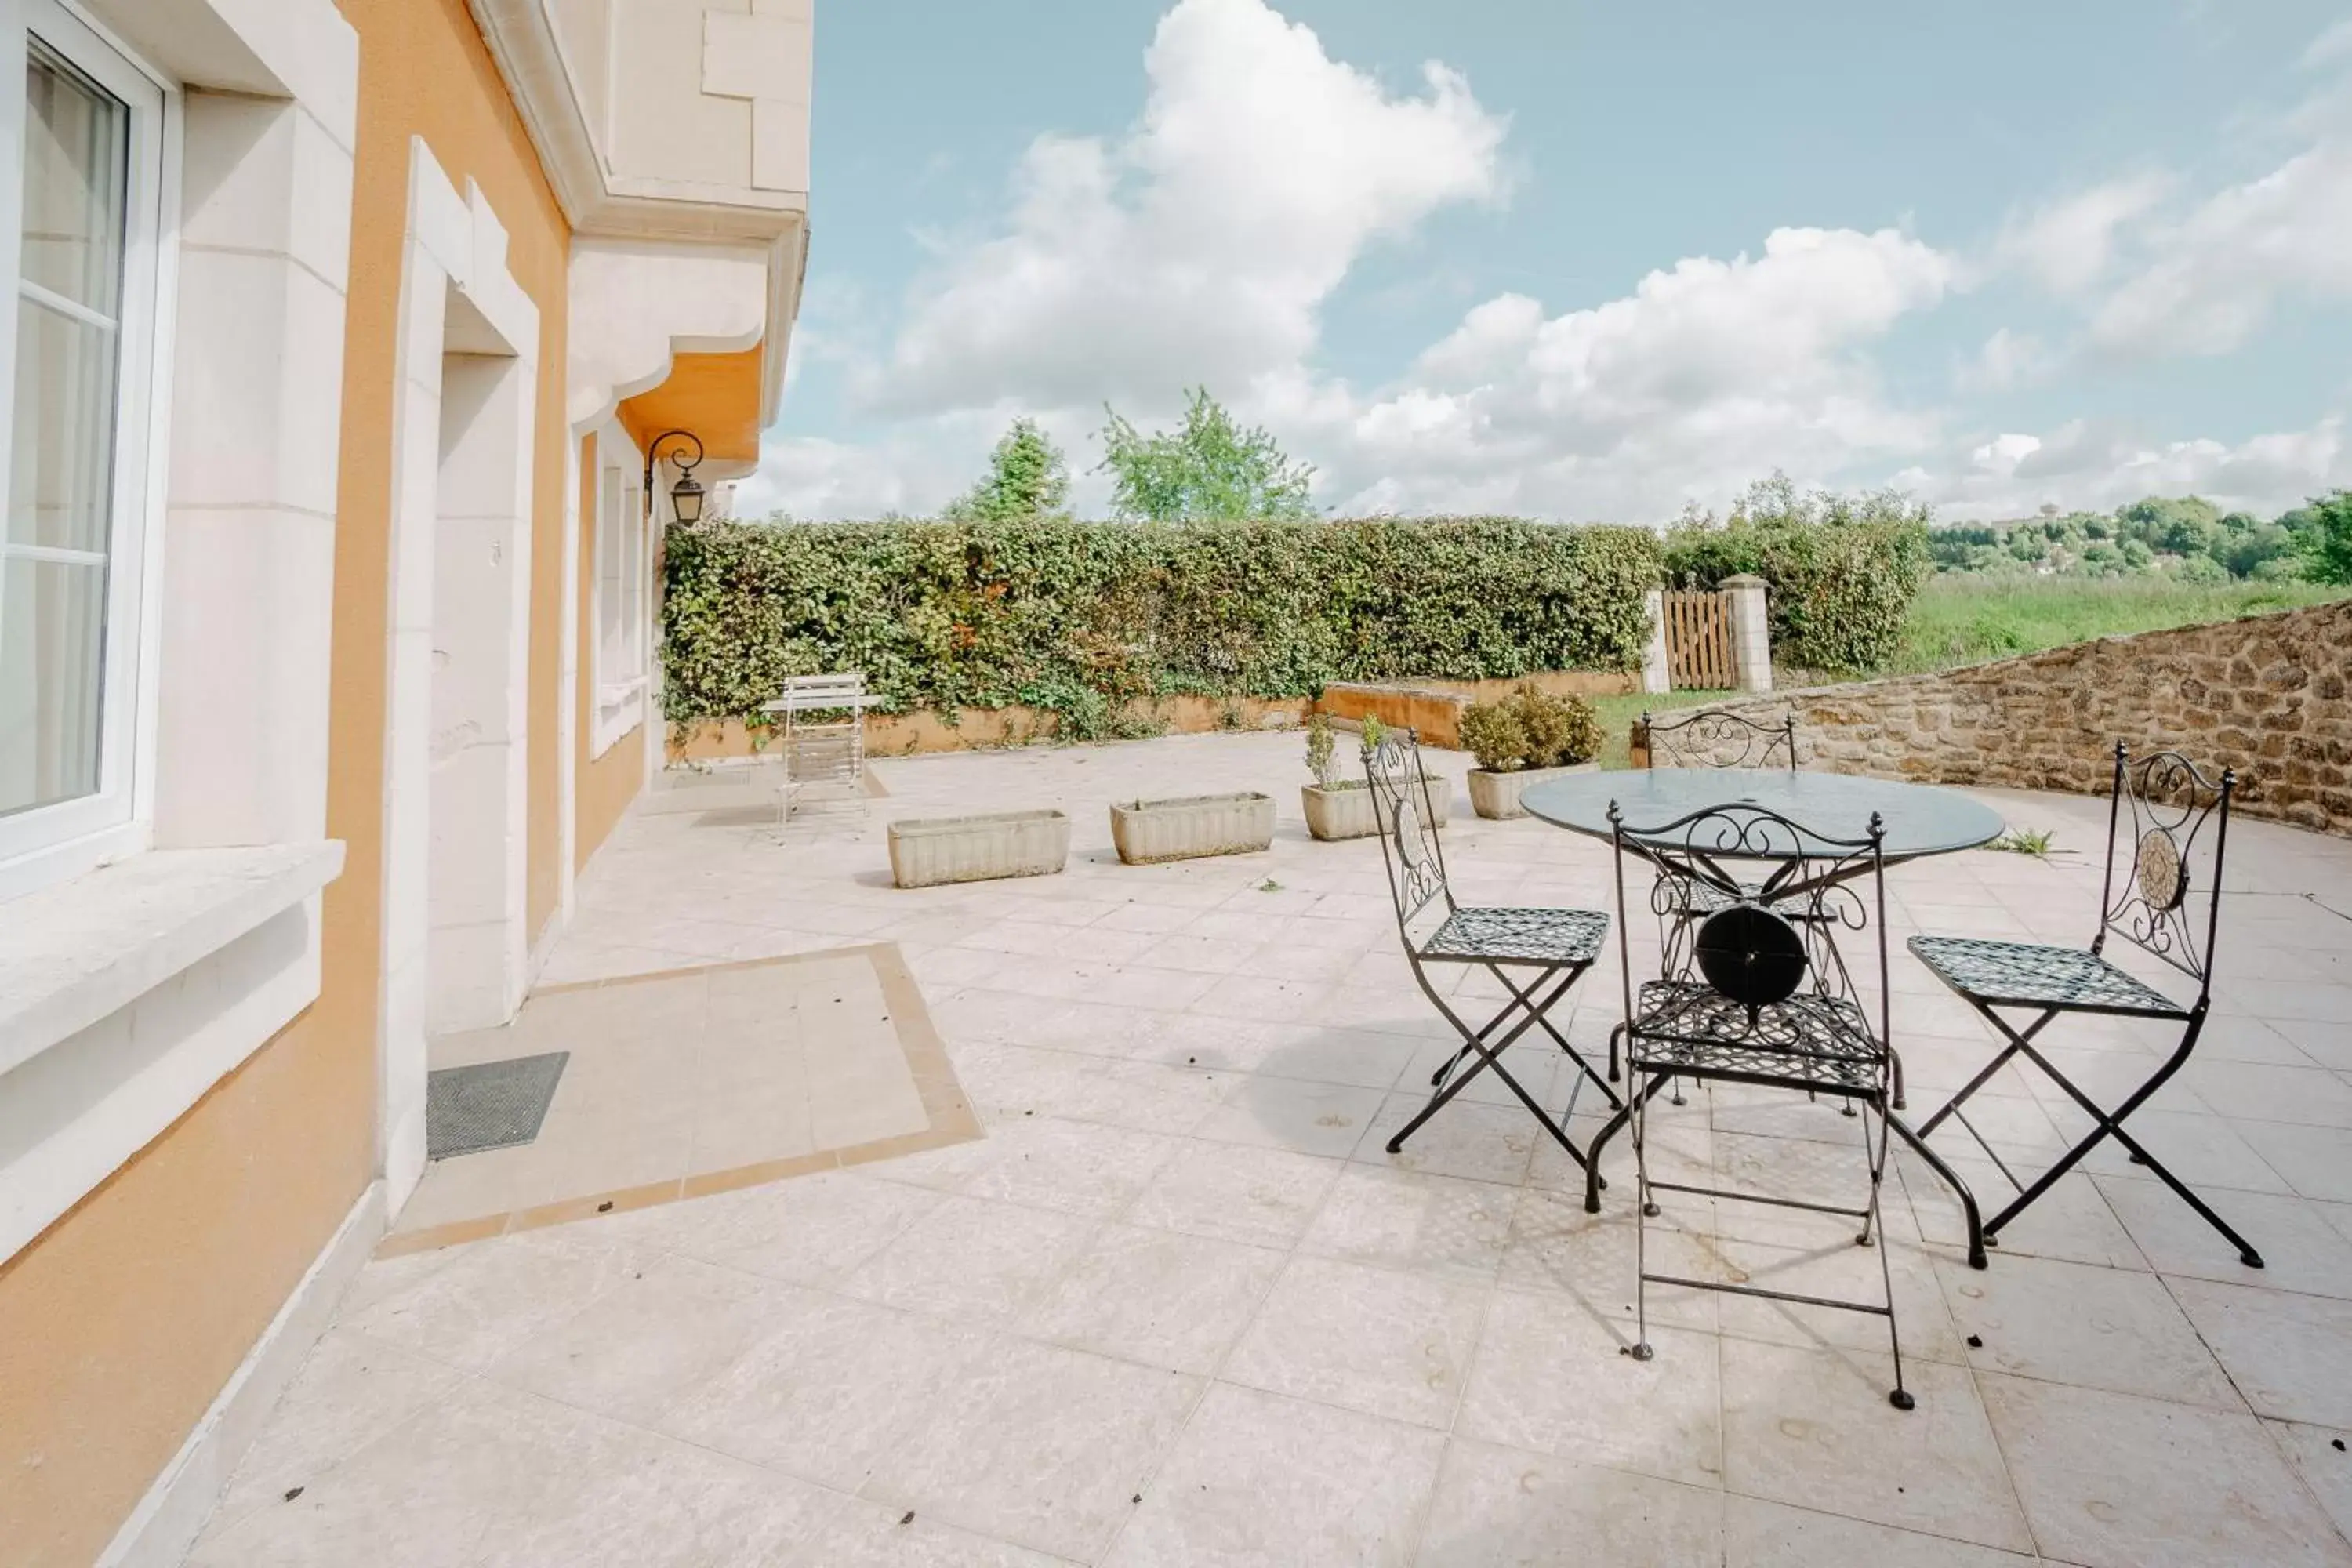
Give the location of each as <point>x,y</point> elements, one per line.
<point>1950,1178</point>
<point>1592,1182</point>
<point>1490,1057</point>
<point>1901,1396</point>
<point>2111,1126</point>
<point>1543,1021</point>
<point>1643,1207</point>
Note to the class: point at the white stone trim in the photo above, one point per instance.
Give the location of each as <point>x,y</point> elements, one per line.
<point>635,304</point>
<point>452,958</point>
<point>73,1113</point>
<point>72,955</point>
<point>527,44</point>
<point>169,1518</point>
<point>299,49</point>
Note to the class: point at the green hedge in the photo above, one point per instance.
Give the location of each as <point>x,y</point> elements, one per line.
<point>1082,618</point>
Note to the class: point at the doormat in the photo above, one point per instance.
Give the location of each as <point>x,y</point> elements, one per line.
<point>491,1105</point>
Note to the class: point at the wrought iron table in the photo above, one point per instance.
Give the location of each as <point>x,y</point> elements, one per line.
<point>1916,821</point>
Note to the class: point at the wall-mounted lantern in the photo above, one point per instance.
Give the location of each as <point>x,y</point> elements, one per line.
<point>686,496</point>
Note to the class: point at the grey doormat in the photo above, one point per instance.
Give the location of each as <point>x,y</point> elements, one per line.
<point>491,1105</point>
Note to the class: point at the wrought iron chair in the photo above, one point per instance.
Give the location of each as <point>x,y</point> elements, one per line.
<point>1764,999</point>
<point>1551,947</point>
<point>1703,739</point>
<point>2179,819</point>
<point>1706,739</point>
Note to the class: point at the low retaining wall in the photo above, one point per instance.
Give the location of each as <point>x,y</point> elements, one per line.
<point>1434,708</point>
<point>2270,696</point>
<point>910,734</point>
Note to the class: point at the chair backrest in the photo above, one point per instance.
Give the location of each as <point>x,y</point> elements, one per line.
<point>1759,942</point>
<point>2176,819</point>
<point>1718,738</point>
<point>818,690</point>
<point>1410,847</point>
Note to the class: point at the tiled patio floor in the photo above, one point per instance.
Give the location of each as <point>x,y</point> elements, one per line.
<point>1180,1308</point>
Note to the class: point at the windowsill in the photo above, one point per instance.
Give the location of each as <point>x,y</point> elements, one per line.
<point>72,955</point>
<point>620,709</point>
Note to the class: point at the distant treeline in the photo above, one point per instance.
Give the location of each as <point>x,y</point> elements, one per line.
<point>2188,538</point>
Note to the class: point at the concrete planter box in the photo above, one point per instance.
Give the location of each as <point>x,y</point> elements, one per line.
<point>928,851</point>
<point>1349,813</point>
<point>1153,830</point>
<point>1497,796</point>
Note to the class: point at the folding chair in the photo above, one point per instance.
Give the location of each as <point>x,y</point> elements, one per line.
<point>1703,739</point>
<point>1767,1000</point>
<point>1552,947</point>
<point>822,743</point>
<point>2179,823</point>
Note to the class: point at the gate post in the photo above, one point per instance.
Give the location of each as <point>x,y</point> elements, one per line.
<point>1752,632</point>
<point>1655,674</point>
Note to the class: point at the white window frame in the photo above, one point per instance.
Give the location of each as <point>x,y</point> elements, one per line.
<point>50,843</point>
<point>619,675</point>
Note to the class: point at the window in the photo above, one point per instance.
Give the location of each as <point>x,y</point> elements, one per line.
<point>78,217</point>
<point>623,571</point>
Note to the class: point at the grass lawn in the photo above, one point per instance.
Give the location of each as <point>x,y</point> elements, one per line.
<point>1618,713</point>
<point>1961,619</point>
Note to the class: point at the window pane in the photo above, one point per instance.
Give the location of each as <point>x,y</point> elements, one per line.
<point>75,151</point>
<point>52,636</point>
<point>61,483</point>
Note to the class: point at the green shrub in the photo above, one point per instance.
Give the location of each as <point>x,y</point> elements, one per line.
<point>1492,733</point>
<point>1092,620</point>
<point>1842,570</point>
<point>1319,746</point>
<point>1530,730</point>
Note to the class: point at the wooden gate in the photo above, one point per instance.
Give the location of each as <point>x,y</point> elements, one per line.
<point>1699,654</point>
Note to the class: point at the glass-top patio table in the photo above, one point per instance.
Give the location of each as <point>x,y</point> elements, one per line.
<point>1919,819</point>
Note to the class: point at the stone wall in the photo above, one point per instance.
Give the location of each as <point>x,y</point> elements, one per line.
<point>2270,696</point>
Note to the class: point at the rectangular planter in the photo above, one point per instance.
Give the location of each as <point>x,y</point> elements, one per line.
<point>1497,796</point>
<point>1153,830</point>
<point>928,851</point>
<point>1333,813</point>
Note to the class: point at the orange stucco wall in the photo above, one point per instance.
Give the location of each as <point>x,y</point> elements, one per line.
<point>119,1326</point>
<point>604,784</point>
<point>122,1323</point>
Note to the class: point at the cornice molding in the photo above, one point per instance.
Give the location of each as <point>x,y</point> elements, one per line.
<point>523,41</point>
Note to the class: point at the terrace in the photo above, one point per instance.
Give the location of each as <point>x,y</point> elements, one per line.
<point>1085,1246</point>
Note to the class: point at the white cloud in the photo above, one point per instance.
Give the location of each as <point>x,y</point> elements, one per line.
<point>2330,47</point>
<point>2008,358</point>
<point>2217,275</point>
<point>1710,373</point>
<point>2070,244</point>
<point>2098,467</point>
<point>1201,246</point>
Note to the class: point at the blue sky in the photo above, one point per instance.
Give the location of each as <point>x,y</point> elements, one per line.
<point>1585,260</point>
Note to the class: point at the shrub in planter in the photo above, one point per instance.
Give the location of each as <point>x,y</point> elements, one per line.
<point>1524,739</point>
<point>1343,807</point>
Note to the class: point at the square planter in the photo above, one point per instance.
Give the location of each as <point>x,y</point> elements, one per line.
<point>1349,812</point>
<point>1151,830</point>
<point>928,851</point>
<point>1497,796</point>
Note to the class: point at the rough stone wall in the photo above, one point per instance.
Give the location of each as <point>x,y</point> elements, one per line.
<point>2270,696</point>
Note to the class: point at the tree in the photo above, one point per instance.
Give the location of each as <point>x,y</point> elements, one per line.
<point>1207,469</point>
<point>2327,533</point>
<point>1026,478</point>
